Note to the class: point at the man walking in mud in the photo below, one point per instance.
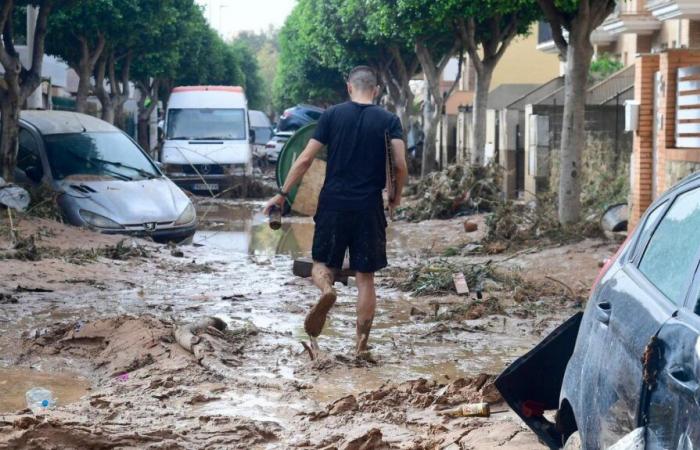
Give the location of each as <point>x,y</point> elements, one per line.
<point>350,213</point>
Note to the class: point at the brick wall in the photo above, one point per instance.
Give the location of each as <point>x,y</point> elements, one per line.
<point>667,164</point>
<point>641,185</point>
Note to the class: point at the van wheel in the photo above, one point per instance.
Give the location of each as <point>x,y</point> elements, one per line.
<point>574,442</point>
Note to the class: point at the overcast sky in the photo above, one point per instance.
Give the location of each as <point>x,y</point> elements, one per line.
<point>233,16</point>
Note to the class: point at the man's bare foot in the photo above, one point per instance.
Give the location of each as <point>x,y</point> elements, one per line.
<point>316,318</point>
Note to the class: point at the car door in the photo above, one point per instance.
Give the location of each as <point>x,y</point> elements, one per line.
<point>671,398</point>
<point>673,410</point>
<point>642,297</point>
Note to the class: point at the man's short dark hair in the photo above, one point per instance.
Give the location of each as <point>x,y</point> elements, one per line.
<point>363,78</point>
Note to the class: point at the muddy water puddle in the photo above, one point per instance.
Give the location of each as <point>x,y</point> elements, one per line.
<point>403,346</point>
<point>243,228</point>
<point>14,383</point>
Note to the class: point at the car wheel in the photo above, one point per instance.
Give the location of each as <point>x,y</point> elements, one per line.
<point>574,442</point>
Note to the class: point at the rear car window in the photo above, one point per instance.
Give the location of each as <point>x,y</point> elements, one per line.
<point>670,258</point>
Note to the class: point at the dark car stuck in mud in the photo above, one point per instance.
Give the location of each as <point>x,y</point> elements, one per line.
<point>634,369</point>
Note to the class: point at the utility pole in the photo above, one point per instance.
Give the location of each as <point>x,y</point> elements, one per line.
<point>35,100</point>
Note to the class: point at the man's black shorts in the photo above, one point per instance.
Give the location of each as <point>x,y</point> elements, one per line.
<point>363,232</point>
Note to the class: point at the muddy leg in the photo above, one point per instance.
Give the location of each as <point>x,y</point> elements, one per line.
<point>316,318</point>
<point>366,305</point>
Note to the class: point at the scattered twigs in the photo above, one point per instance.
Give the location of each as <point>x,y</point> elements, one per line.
<point>561,283</point>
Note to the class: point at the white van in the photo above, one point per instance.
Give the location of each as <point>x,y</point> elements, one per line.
<point>206,137</point>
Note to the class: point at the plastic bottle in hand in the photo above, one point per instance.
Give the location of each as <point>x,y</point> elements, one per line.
<point>275,217</point>
<point>39,400</point>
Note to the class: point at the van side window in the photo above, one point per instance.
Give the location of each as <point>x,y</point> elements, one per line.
<point>670,258</point>
<point>28,159</point>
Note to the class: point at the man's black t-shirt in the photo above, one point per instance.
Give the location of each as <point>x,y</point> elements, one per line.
<point>356,171</point>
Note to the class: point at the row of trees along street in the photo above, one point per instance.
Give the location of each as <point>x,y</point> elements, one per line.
<point>322,39</point>
<point>113,45</point>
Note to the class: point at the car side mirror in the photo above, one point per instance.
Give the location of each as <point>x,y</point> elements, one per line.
<point>251,136</point>
<point>34,173</point>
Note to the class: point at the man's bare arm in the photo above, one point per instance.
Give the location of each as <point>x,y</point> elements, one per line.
<point>296,173</point>
<point>398,150</point>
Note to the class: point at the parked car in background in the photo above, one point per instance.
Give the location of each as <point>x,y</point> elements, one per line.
<point>262,130</point>
<point>103,179</point>
<point>636,359</point>
<point>297,116</point>
<point>274,145</point>
<point>207,137</point>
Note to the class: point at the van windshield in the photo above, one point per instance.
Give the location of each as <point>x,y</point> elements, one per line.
<point>194,124</point>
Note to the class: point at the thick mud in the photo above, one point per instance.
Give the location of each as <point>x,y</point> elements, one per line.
<point>99,332</point>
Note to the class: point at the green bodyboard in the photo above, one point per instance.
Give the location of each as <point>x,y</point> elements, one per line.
<point>290,152</point>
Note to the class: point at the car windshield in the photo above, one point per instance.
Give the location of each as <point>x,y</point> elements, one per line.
<point>193,124</point>
<point>110,154</point>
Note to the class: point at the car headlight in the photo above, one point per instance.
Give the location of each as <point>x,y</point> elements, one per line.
<point>97,220</point>
<point>187,216</point>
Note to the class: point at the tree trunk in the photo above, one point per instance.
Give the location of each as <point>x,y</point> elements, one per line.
<point>10,108</point>
<point>579,55</point>
<point>81,99</point>
<point>483,84</point>
<point>431,121</point>
<point>107,108</point>
<point>144,133</point>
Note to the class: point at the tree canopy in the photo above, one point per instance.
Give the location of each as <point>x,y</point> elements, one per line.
<point>302,75</point>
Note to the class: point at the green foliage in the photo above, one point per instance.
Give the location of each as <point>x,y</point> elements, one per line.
<point>265,47</point>
<point>604,66</point>
<point>169,39</point>
<point>302,75</point>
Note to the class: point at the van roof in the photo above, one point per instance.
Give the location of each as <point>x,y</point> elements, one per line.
<point>208,88</point>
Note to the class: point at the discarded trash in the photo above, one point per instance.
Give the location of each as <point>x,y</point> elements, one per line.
<point>468,410</point>
<point>460,283</point>
<point>615,218</point>
<point>13,196</point>
<point>39,400</point>
<point>470,226</point>
<point>275,218</point>
<point>177,253</point>
<point>457,189</point>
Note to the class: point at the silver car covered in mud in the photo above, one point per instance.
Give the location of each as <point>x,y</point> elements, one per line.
<point>103,179</point>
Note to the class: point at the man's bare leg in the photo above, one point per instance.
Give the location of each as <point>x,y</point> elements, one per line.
<point>316,318</point>
<point>366,305</point>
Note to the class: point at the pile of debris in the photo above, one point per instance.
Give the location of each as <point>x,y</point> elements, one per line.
<point>29,249</point>
<point>519,223</point>
<point>436,277</point>
<point>455,190</point>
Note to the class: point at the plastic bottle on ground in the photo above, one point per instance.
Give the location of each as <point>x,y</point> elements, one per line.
<point>39,400</point>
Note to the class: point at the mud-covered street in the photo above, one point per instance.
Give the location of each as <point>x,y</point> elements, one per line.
<point>92,318</point>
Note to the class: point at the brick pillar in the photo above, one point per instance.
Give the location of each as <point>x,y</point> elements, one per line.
<point>669,63</point>
<point>640,196</point>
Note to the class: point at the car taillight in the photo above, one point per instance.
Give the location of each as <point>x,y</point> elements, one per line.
<point>608,263</point>
<point>286,114</point>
